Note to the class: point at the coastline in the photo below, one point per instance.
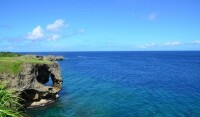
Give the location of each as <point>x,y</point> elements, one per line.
<point>35,71</point>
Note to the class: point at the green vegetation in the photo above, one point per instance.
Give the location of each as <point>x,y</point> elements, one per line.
<point>9,54</point>
<point>9,106</point>
<point>12,62</point>
<point>13,67</point>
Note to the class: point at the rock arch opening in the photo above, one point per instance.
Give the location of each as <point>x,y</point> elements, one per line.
<point>45,83</point>
<point>44,75</point>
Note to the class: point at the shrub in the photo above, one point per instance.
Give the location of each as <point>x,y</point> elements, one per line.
<point>9,106</point>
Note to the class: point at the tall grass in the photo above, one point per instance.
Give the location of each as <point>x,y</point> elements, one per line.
<point>9,106</point>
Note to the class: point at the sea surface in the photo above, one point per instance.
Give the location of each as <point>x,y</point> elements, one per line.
<point>127,84</point>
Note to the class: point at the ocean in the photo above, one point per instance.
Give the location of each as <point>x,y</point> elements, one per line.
<point>127,84</point>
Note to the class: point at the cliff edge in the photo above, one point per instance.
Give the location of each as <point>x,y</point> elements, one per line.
<point>27,76</point>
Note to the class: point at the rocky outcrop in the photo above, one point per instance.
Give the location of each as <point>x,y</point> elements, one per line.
<point>30,83</point>
<point>51,58</point>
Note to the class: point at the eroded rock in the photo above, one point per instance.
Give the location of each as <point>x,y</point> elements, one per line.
<point>30,83</point>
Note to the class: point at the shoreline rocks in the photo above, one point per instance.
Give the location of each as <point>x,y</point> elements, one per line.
<point>42,102</point>
<point>51,58</point>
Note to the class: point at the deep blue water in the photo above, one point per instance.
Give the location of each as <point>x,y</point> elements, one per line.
<point>127,84</point>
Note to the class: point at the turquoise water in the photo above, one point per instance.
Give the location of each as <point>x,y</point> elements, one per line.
<point>127,84</point>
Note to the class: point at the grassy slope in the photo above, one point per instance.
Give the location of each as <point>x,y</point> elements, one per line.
<point>11,62</point>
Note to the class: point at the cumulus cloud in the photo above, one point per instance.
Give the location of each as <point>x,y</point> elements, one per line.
<point>59,23</point>
<point>51,32</point>
<point>37,33</point>
<point>173,43</point>
<point>152,16</point>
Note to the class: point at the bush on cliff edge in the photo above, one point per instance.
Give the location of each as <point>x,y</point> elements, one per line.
<point>9,106</point>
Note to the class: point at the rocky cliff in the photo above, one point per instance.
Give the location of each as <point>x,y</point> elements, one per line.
<point>30,82</point>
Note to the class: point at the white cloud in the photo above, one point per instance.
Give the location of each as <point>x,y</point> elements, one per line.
<point>150,45</point>
<point>196,42</point>
<point>56,25</point>
<point>52,31</point>
<point>37,33</point>
<point>152,16</point>
<point>53,37</point>
<point>165,44</point>
<point>173,43</point>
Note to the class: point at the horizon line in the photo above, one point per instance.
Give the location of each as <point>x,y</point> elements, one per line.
<point>110,51</point>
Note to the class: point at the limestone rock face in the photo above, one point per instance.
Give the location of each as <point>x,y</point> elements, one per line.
<point>30,83</point>
<point>51,58</point>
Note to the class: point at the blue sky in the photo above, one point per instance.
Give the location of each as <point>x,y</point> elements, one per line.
<point>99,25</point>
